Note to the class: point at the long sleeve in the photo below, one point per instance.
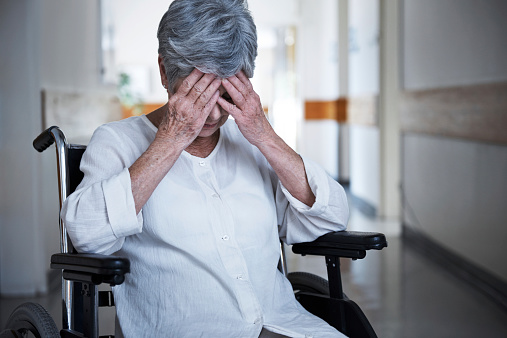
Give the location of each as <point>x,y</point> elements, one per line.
<point>330,212</point>
<point>101,212</point>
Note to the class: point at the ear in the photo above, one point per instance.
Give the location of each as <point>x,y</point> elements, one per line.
<point>163,74</point>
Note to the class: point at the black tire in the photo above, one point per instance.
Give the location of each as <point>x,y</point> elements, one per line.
<point>308,282</point>
<point>31,318</point>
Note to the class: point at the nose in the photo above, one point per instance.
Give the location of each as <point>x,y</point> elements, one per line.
<point>215,114</point>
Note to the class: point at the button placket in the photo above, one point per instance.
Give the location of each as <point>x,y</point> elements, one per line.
<point>230,253</point>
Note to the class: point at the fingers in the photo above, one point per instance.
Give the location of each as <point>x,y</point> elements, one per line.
<point>245,80</point>
<point>242,83</point>
<point>239,88</point>
<point>206,96</point>
<point>196,91</point>
<point>232,90</point>
<point>195,84</point>
<point>211,103</point>
<point>200,88</point>
<point>189,82</point>
<point>228,107</point>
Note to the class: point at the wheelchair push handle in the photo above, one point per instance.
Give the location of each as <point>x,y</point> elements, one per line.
<point>46,138</point>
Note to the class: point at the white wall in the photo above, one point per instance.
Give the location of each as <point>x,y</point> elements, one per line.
<point>280,13</point>
<point>457,191</point>
<point>365,163</point>
<point>456,188</point>
<point>454,42</point>
<point>364,81</point>
<point>69,45</point>
<point>320,79</point>
<point>319,38</point>
<point>52,45</point>
<point>321,144</point>
<point>69,63</point>
<point>363,47</point>
<point>136,44</point>
<point>389,116</point>
<point>21,263</point>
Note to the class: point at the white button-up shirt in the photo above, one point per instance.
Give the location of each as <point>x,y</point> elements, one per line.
<point>205,247</point>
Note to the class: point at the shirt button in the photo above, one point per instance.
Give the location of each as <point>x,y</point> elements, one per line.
<point>225,237</point>
<point>215,195</point>
<point>239,277</point>
<point>202,163</point>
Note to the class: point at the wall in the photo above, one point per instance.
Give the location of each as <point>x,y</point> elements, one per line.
<point>363,47</point>
<point>364,164</point>
<point>136,24</point>
<point>318,39</point>
<point>454,42</point>
<point>363,90</point>
<point>454,160</point>
<point>59,54</point>
<point>457,191</point>
<point>21,261</point>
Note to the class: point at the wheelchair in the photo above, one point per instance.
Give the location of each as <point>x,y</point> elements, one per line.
<point>82,273</point>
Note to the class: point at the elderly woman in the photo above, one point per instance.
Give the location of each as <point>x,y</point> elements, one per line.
<point>198,201</point>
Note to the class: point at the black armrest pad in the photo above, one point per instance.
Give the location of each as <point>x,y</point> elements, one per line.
<point>91,263</point>
<point>348,240</point>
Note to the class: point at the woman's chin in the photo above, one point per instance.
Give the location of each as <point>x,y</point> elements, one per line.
<point>209,130</point>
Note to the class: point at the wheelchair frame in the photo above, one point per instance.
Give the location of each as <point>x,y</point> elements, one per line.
<point>86,271</point>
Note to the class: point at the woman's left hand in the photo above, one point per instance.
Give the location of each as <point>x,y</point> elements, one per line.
<point>253,124</point>
<point>247,109</point>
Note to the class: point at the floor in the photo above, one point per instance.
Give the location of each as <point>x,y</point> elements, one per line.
<point>401,292</point>
<point>404,294</point>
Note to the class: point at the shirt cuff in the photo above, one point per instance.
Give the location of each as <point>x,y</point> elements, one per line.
<point>120,206</point>
<point>318,181</point>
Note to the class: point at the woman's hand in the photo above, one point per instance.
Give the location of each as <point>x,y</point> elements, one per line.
<point>188,108</point>
<point>246,109</point>
<point>186,115</point>
<point>253,124</point>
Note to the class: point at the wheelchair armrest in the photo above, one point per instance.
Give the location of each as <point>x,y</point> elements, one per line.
<point>350,244</point>
<point>91,268</point>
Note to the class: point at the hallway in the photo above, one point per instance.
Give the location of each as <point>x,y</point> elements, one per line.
<point>403,294</point>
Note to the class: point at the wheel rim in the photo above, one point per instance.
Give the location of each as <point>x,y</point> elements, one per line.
<point>25,327</point>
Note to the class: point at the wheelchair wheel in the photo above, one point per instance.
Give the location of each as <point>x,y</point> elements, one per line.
<point>30,320</point>
<point>308,282</point>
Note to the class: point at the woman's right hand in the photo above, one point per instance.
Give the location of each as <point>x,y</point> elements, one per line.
<point>184,119</point>
<point>188,108</point>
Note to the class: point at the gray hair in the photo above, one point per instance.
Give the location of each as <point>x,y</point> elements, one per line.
<point>214,36</point>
